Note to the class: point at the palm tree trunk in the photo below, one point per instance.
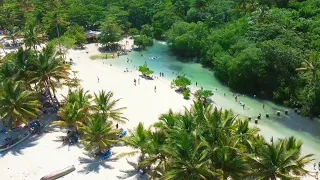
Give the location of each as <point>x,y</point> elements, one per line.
<point>16,123</point>
<point>314,76</point>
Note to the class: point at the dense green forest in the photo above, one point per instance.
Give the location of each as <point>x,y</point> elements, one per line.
<point>264,47</point>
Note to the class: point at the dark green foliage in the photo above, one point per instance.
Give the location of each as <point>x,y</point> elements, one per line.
<point>110,33</point>
<point>143,41</point>
<point>254,46</point>
<point>186,94</point>
<point>206,143</point>
<point>145,70</point>
<point>181,82</point>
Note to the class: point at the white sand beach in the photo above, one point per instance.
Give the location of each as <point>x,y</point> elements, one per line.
<point>41,155</point>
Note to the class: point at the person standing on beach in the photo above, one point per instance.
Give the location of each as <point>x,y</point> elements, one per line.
<point>155,88</point>
<point>98,79</point>
<point>135,82</point>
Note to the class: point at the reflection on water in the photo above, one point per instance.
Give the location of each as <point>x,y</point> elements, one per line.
<point>159,59</point>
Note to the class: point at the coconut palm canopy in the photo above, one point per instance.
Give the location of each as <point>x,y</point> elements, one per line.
<point>17,104</point>
<point>207,143</point>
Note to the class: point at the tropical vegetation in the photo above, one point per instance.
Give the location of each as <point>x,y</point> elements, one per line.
<point>267,48</point>
<point>197,144</point>
<point>181,82</point>
<point>264,47</point>
<point>145,70</point>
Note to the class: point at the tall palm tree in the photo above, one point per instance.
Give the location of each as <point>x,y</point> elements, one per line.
<point>75,110</point>
<point>226,157</point>
<point>81,98</point>
<point>274,160</point>
<point>137,140</point>
<point>32,36</point>
<point>16,103</point>
<point>226,154</point>
<point>13,32</point>
<point>71,116</point>
<point>23,64</point>
<point>98,134</point>
<point>50,72</point>
<point>7,72</point>
<point>107,107</point>
<point>2,47</point>
<point>167,121</point>
<point>312,66</point>
<point>156,159</point>
<point>184,160</point>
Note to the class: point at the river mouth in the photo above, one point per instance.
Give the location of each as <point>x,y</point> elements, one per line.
<point>160,59</point>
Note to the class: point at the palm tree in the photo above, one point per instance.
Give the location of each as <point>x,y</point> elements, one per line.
<point>50,72</point>
<point>225,153</point>
<point>276,160</point>
<point>2,47</point>
<point>226,157</point>
<point>32,36</point>
<point>7,72</point>
<point>23,65</point>
<point>98,134</point>
<point>16,103</point>
<point>167,121</point>
<point>81,98</point>
<point>183,159</point>
<point>312,65</point>
<point>71,116</point>
<point>106,106</point>
<point>157,159</point>
<point>13,33</point>
<point>137,140</point>
<point>75,110</point>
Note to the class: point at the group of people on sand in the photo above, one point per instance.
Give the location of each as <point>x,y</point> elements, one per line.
<point>317,171</point>
<point>127,70</point>
<point>135,81</point>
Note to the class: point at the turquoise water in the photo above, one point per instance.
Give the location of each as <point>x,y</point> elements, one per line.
<point>278,127</point>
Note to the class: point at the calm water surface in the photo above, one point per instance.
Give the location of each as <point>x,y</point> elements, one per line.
<point>278,127</point>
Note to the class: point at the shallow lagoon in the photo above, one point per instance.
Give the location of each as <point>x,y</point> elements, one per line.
<point>284,126</point>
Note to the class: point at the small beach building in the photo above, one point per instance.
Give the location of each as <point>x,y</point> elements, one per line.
<point>92,36</point>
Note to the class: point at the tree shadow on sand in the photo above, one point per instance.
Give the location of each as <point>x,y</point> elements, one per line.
<point>18,149</point>
<point>134,173</point>
<point>61,139</point>
<point>146,77</point>
<point>95,164</point>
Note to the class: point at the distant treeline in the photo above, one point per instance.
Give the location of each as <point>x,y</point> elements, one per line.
<point>264,47</point>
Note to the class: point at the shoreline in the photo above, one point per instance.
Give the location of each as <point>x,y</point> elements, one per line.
<point>144,105</point>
